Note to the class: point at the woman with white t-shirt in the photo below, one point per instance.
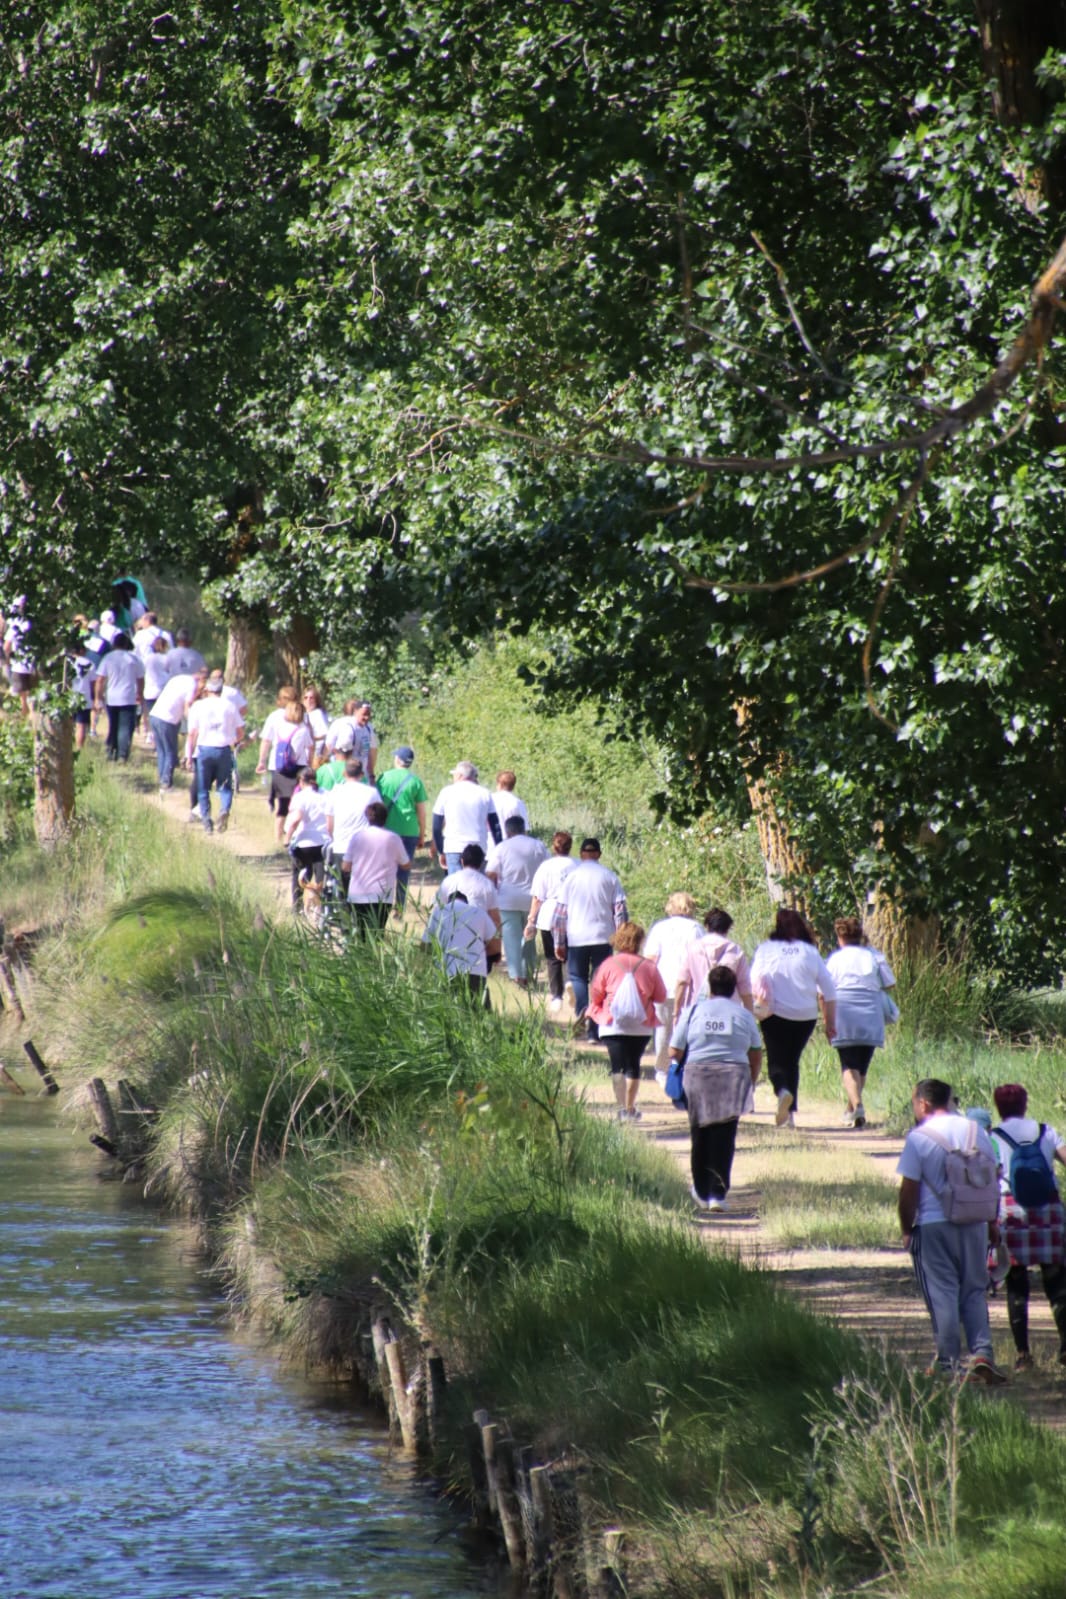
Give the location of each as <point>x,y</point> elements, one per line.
<point>317,720</point>
<point>544,889</point>
<point>789,978</point>
<point>286,727</point>
<point>1034,1234</point>
<point>307,833</point>
<point>120,685</point>
<point>862,976</point>
<point>666,944</point>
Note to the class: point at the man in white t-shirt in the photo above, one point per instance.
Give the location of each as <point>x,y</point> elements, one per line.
<point>215,729</point>
<point>471,880</point>
<point>950,1259</point>
<point>347,803</point>
<point>374,856</point>
<point>512,866</point>
<point>463,813</point>
<point>168,713</point>
<point>460,932</point>
<point>590,905</point>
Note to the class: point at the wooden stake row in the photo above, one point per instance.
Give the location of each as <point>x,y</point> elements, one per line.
<point>539,1512</point>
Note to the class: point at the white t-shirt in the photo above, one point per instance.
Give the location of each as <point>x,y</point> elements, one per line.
<point>515,862</point>
<point>123,673</point>
<point>235,697</point>
<point>214,721</point>
<point>859,966</point>
<point>925,1161</point>
<point>466,808</point>
<point>155,674</point>
<point>595,904</point>
<point>15,641</point>
<point>508,804</point>
<point>174,696</point>
<point>277,726</point>
<point>460,932</point>
<point>376,855</point>
<point>666,944</point>
<point>1023,1129</point>
<point>796,975</point>
<point>478,889</point>
<point>144,638</point>
<point>183,658</point>
<point>545,884</point>
<point>311,810</point>
<point>348,802</point>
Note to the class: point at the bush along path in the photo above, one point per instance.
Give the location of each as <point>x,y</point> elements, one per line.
<point>376,1166</point>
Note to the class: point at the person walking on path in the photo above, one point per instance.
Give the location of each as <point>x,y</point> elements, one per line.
<point>307,835</point>
<point>285,747</point>
<point>183,658</point>
<point>626,1031</point>
<point>512,866</point>
<point>120,685</point>
<point>477,888</point>
<point>463,813</point>
<point>374,858</point>
<point>1031,1220</point>
<point>461,933</point>
<point>720,1043</point>
<point>950,1258</point>
<point>543,890</point>
<point>348,803</point>
<point>590,907</point>
<point>715,948</point>
<point>215,730</point>
<point>404,793</point>
<point>666,945</point>
<point>168,713</point>
<point>862,977</point>
<point>789,981</point>
<point>507,801</point>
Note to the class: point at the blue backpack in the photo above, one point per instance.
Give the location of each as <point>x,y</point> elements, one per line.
<point>1030,1177</point>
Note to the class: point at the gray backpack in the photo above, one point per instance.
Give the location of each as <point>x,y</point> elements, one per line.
<point>972,1192</point>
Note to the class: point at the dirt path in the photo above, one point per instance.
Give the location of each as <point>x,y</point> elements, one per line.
<point>870,1291</point>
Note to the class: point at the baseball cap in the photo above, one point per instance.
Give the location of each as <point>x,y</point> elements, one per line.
<point>405,754</point>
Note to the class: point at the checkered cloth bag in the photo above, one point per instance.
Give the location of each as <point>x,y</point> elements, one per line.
<point>1034,1237</point>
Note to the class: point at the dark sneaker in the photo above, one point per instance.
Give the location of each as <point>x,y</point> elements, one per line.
<point>1024,1361</point>
<point>983,1371</point>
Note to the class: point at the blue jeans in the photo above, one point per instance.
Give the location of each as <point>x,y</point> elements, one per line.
<point>166,749</point>
<point>520,953</point>
<point>121,724</point>
<point>581,963</point>
<point>453,861</point>
<point>214,764</point>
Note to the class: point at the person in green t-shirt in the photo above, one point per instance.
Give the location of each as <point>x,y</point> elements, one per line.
<point>405,795</point>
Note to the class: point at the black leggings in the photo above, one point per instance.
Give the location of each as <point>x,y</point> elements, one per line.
<point>306,858</point>
<point>712,1158</point>
<point>785,1042</point>
<point>624,1052</point>
<point>856,1058</point>
<point>556,968</point>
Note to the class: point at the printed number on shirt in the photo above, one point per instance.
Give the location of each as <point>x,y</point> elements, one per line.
<point>719,1026</point>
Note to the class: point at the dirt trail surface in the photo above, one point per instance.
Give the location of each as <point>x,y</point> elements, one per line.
<point>870,1291</point>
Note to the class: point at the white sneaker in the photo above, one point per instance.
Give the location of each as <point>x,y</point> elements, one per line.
<point>555,1005</point>
<point>860,1117</point>
<point>717,1204</point>
<point>784,1106</point>
<point>704,1204</point>
<point>849,1118</point>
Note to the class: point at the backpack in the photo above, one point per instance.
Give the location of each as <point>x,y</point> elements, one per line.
<point>627,1007</point>
<point>972,1192</point>
<point>1030,1177</point>
<point>285,762</point>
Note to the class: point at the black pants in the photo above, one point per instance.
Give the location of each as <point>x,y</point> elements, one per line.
<point>785,1042</point>
<point>624,1052</point>
<point>556,968</point>
<point>856,1058</point>
<point>370,919</point>
<point>1054,1280</point>
<point>712,1158</point>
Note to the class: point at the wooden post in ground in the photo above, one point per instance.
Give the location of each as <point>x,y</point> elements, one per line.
<point>404,1407</point>
<point>51,1086</point>
<point>106,1119</point>
<point>476,1458</point>
<point>507,1505</point>
<point>9,1082</point>
<point>436,1397</point>
<point>381,1332</point>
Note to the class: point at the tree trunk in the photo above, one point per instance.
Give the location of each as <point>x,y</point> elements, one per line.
<point>1015,37</point>
<point>242,654</point>
<point>53,767</point>
<point>291,649</point>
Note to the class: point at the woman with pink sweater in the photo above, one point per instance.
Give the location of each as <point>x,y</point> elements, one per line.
<point>625,1012</point>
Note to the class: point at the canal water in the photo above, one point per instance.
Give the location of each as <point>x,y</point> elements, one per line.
<point>144,1450</point>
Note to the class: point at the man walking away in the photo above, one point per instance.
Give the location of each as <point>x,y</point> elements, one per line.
<point>512,866</point>
<point>215,728</point>
<point>463,813</point>
<point>590,906</point>
<point>405,795</point>
<point>950,1256</point>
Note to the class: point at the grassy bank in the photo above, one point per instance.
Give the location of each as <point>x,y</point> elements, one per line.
<point>383,1144</point>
